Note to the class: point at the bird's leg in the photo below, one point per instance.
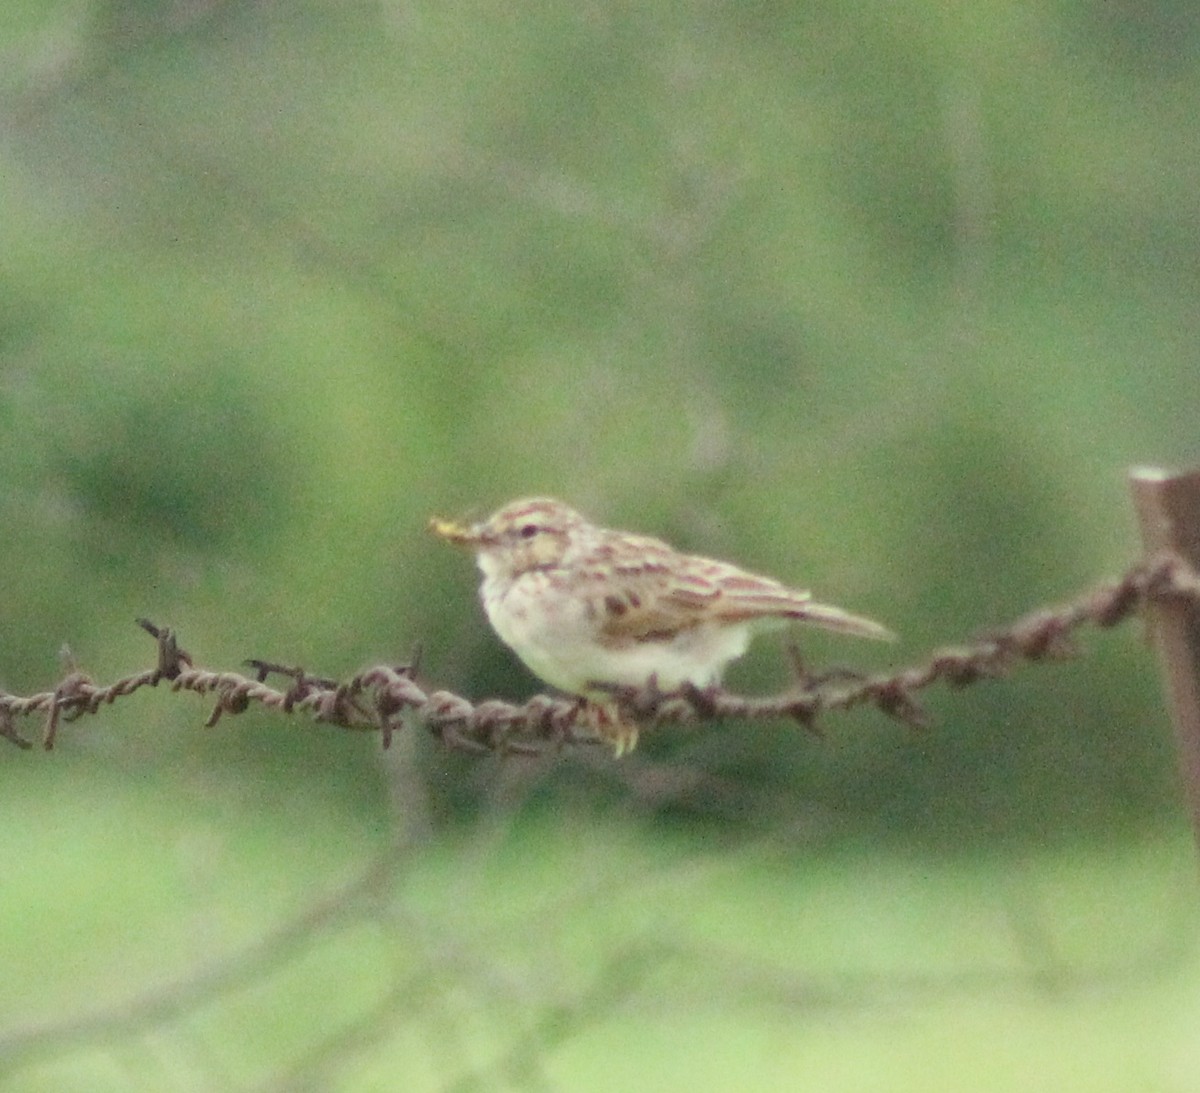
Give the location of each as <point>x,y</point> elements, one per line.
<point>610,724</point>
<point>702,699</point>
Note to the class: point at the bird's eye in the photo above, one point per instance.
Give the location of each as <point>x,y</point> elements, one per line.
<point>529,531</point>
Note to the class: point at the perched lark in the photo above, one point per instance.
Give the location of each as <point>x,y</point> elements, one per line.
<point>587,608</point>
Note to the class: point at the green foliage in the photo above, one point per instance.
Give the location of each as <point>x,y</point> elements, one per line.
<point>880,299</point>
<point>529,955</point>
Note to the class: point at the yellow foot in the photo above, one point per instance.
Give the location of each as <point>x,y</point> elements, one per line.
<point>608,724</point>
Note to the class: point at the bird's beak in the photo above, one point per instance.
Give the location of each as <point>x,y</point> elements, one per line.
<point>472,537</point>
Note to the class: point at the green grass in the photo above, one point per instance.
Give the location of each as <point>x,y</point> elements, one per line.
<point>878,299</point>
<point>582,954</point>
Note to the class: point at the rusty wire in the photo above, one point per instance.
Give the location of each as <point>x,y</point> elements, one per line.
<point>379,698</point>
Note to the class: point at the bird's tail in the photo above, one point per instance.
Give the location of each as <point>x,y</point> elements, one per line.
<point>843,622</point>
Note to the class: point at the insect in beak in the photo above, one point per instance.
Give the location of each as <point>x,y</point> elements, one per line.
<point>459,534</point>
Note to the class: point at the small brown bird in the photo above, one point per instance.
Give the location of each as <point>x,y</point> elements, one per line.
<point>587,607</point>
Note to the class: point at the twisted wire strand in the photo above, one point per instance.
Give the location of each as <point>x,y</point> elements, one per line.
<point>381,698</point>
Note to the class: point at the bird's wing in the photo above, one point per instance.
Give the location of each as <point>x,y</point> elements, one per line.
<point>664,592</point>
<point>746,597</point>
<point>639,596</point>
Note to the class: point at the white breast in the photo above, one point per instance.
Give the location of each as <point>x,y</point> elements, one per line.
<point>557,638</point>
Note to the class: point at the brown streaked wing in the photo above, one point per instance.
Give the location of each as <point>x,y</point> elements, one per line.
<point>649,602</point>
<point>746,596</point>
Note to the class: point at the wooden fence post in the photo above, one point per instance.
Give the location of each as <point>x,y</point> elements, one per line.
<point>1168,508</point>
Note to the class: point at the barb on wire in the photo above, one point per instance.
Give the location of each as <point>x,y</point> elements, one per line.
<point>379,699</point>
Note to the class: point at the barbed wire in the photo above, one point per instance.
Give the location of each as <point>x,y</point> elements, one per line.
<point>380,699</point>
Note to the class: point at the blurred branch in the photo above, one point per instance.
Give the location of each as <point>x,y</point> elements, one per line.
<point>175,998</point>
<point>377,700</point>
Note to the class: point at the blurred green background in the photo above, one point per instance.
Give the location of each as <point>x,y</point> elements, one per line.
<point>883,299</point>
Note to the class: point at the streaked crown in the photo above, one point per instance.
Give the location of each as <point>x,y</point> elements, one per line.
<point>534,533</point>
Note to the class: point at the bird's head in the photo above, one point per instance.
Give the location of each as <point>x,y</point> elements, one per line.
<point>524,535</point>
